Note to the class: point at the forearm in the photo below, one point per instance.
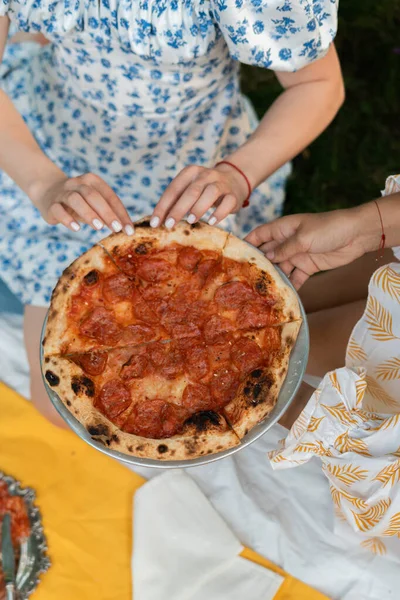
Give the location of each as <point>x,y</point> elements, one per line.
<point>368,224</point>
<point>294,120</point>
<point>20,156</point>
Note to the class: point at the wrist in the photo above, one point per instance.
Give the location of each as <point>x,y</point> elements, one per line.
<point>241,183</point>
<point>37,188</point>
<point>368,228</point>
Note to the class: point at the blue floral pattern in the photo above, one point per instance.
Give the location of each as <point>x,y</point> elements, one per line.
<point>135,90</point>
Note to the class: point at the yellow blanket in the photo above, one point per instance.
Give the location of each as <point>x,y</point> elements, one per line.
<point>86,502</point>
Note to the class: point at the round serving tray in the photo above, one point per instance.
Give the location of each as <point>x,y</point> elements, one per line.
<point>297,365</point>
<point>33,559</point>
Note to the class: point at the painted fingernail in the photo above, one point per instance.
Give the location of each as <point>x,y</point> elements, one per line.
<point>116,225</point>
<point>270,254</point>
<point>169,223</point>
<point>154,221</point>
<point>191,219</point>
<point>75,226</point>
<point>212,220</point>
<point>129,230</point>
<point>97,224</point>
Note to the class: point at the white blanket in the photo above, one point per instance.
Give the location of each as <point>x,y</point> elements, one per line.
<point>287,516</point>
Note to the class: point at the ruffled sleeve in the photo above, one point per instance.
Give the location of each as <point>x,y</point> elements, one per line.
<point>282,35</point>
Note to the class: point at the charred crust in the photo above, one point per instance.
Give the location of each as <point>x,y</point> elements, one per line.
<point>107,441</point>
<point>44,340</point>
<point>186,232</point>
<point>65,288</point>
<point>68,403</point>
<point>196,225</point>
<point>52,379</point>
<point>47,360</point>
<point>86,262</point>
<point>141,249</point>
<point>162,448</point>
<point>190,446</point>
<point>130,448</point>
<point>91,278</point>
<point>145,223</point>
<point>261,286</point>
<point>82,384</point>
<point>140,448</point>
<point>98,430</point>
<point>203,420</point>
<point>257,392</point>
<point>115,438</point>
<point>256,374</point>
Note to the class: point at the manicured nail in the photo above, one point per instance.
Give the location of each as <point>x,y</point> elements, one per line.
<point>116,225</point>
<point>75,226</point>
<point>191,219</point>
<point>97,224</point>
<point>129,230</point>
<point>212,220</point>
<point>270,254</point>
<point>154,221</point>
<point>169,223</point>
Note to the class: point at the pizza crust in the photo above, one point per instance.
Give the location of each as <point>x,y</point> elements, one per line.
<point>57,334</point>
<point>205,432</point>
<point>200,235</point>
<point>263,275</point>
<point>258,393</point>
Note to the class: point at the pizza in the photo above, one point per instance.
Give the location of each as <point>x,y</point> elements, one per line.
<point>171,344</point>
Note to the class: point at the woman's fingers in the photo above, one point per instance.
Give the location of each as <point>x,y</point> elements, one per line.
<point>287,267</point>
<point>227,206</point>
<point>298,277</point>
<point>210,195</point>
<point>59,214</point>
<point>81,203</point>
<point>120,214</point>
<point>175,189</point>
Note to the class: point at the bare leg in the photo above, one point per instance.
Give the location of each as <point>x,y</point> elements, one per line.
<point>342,285</point>
<point>33,321</point>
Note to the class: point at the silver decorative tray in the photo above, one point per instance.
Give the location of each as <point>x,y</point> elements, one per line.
<point>297,366</point>
<point>33,557</point>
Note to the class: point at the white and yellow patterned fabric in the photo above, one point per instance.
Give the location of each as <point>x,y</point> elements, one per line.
<point>352,421</point>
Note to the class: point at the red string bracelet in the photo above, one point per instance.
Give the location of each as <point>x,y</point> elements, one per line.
<point>226,162</point>
<point>383,236</point>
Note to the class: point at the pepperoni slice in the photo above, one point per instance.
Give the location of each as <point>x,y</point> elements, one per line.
<point>101,326</point>
<point>155,270</point>
<point>188,258</point>
<point>234,294</point>
<point>224,384</point>
<point>93,363</point>
<point>272,339</point>
<point>141,309</point>
<point>136,366</point>
<point>199,312</point>
<point>215,326</point>
<point>197,397</point>
<point>167,360</point>
<point>138,334</point>
<point>220,351</point>
<point>116,288</point>
<point>113,399</point>
<point>208,269</point>
<point>196,358</point>
<point>255,315</point>
<point>155,419</point>
<point>246,355</point>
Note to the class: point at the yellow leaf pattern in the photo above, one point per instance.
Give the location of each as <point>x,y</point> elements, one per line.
<point>279,458</point>
<point>368,519</point>
<point>345,444</point>
<point>389,475</point>
<point>387,423</point>
<point>300,426</point>
<point>379,320</point>
<point>347,474</point>
<point>394,526</point>
<point>340,412</point>
<point>315,423</point>
<point>334,380</point>
<point>337,496</point>
<point>389,281</point>
<point>361,386</point>
<point>397,453</point>
<point>389,370</point>
<point>378,393</point>
<point>355,351</point>
<point>375,545</point>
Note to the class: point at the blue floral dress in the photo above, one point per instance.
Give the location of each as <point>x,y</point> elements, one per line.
<point>135,90</point>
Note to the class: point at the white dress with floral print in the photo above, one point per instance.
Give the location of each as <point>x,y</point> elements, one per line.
<point>134,90</point>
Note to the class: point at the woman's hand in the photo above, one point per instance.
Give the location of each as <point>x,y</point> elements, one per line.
<point>305,244</point>
<point>87,199</point>
<point>197,189</point>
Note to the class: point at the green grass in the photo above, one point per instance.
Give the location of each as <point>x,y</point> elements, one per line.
<point>349,162</point>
